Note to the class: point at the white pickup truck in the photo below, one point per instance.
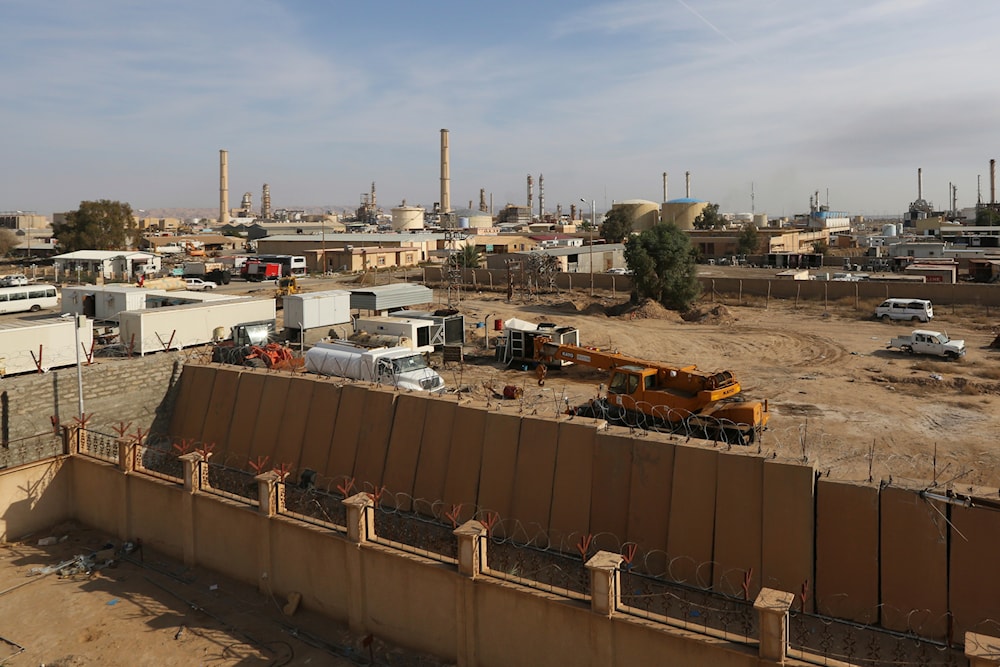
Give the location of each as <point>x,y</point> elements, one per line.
<point>929,342</point>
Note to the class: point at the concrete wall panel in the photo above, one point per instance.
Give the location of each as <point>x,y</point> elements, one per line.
<point>649,503</point>
<point>404,448</point>
<point>373,438</point>
<point>570,515</point>
<point>496,476</point>
<point>35,496</point>
<point>738,523</point>
<point>267,431</point>
<point>692,515</point>
<point>432,466</point>
<point>193,396</point>
<point>344,446</point>
<point>235,451</point>
<point>320,424</point>
<point>536,465</point>
<point>461,485</point>
<point>974,575</point>
<point>914,563</point>
<point>293,420</point>
<point>789,528</point>
<point>847,551</point>
<point>156,507</point>
<point>609,491</point>
<point>219,416</point>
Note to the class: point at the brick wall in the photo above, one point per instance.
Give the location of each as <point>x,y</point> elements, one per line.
<point>137,390</point>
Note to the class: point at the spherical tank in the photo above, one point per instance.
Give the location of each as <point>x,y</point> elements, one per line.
<point>407,217</point>
<point>644,214</point>
<point>682,212</point>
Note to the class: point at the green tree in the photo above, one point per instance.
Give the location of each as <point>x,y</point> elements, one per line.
<point>97,225</point>
<point>748,241</point>
<point>8,239</point>
<point>468,257</point>
<point>617,226</point>
<point>987,217</point>
<point>709,218</point>
<point>821,247</point>
<point>663,266</point>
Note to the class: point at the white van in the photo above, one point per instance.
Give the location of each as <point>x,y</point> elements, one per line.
<point>905,309</point>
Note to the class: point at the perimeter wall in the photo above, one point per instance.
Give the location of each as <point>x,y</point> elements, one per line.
<point>727,520</point>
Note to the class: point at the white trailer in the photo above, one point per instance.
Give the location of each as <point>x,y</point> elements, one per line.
<point>27,346</point>
<point>317,309</point>
<point>398,367</point>
<point>448,329</point>
<point>177,327</point>
<point>419,332</point>
<point>104,302</point>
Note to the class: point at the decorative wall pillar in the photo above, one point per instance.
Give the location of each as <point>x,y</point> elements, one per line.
<point>360,523</point>
<point>605,578</point>
<point>471,557</point>
<point>772,607</point>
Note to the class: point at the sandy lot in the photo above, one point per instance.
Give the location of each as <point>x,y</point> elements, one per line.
<point>837,397</point>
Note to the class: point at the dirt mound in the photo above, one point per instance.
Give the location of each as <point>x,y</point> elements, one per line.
<point>648,309</point>
<point>717,314</point>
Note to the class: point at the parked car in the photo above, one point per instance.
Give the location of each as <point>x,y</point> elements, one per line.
<point>619,272</point>
<point>15,280</point>
<point>199,284</point>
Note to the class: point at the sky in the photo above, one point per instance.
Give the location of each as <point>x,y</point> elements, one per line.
<point>764,102</point>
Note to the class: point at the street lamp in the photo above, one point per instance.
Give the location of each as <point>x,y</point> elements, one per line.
<point>593,223</point>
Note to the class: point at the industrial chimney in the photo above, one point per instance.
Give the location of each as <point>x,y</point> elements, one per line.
<point>920,183</point>
<point>445,174</point>
<point>993,182</point>
<point>223,187</point>
<point>664,187</point>
<point>541,196</point>
<point>531,196</point>
<point>265,203</point>
<point>687,184</point>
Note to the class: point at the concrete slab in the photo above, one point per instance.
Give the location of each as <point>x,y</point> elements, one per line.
<point>321,421</point>
<point>496,477</point>
<point>219,415</point>
<point>609,491</point>
<point>461,485</point>
<point>404,448</point>
<point>432,467</point>
<point>738,523</point>
<point>847,553</point>
<point>193,397</point>
<point>373,438</point>
<point>649,503</point>
<point>974,576</point>
<point>914,563</point>
<point>536,464</point>
<point>569,518</point>
<point>690,540</point>
<point>789,529</point>
<point>235,450</point>
<point>267,430</point>
<point>294,419</point>
<point>344,445</point>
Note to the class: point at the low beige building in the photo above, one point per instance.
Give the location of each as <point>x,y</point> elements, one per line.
<point>361,258</point>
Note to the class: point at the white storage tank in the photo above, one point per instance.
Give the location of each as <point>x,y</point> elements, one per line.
<point>407,217</point>
<point>889,230</point>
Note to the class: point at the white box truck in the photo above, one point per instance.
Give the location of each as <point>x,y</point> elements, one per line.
<point>27,345</point>
<point>398,367</point>
<point>177,327</point>
<point>317,309</point>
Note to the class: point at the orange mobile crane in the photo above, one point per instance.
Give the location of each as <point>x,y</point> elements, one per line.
<point>653,394</point>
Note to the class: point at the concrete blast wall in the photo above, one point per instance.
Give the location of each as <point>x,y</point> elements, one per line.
<point>725,520</point>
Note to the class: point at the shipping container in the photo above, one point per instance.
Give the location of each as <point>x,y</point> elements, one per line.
<point>104,302</point>
<point>177,327</point>
<point>29,345</point>
<point>449,326</point>
<point>317,309</point>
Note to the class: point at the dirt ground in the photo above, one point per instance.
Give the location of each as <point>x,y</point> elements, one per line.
<point>838,398</point>
<point>145,609</point>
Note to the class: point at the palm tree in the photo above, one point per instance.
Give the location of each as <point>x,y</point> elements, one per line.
<point>468,257</point>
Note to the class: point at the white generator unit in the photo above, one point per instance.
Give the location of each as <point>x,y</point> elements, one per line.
<point>317,309</point>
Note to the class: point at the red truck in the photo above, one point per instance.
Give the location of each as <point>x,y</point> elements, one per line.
<point>258,271</point>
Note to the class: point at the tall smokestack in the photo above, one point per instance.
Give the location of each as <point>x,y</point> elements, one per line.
<point>920,183</point>
<point>265,203</point>
<point>993,181</point>
<point>531,194</point>
<point>223,187</point>
<point>687,184</point>
<point>445,174</point>
<point>541,196</point>
<point>664,187</point>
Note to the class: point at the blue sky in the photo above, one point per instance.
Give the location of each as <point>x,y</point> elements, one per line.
<point>132,101</point>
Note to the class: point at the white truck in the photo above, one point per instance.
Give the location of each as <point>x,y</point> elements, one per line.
<point>398,367</point>
<point>934,343</point>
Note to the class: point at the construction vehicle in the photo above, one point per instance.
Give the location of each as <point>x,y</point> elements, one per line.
<point>250,345</point>
<point>398,367</point>
<point>656,395</point>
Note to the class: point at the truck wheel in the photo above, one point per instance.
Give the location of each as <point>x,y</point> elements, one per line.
<point>907,349</point>
<point>914,319</point>
<point>886,318</point>
<point>35,308</point>
<point>951,356</point>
